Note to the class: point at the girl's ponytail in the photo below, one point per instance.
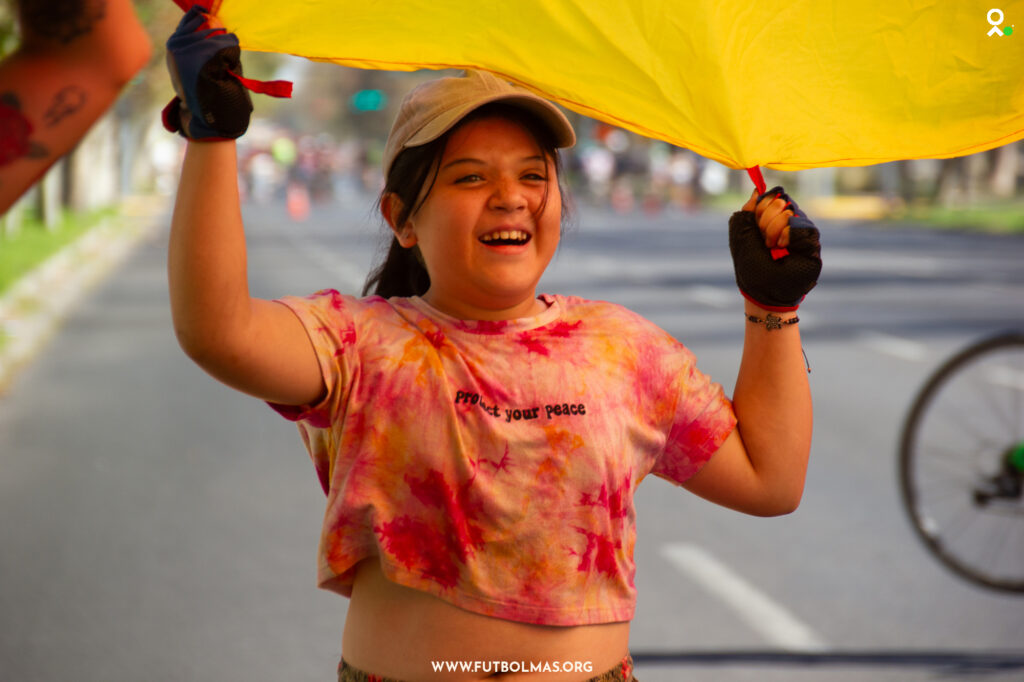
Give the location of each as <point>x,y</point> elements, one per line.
<point>401,274</point>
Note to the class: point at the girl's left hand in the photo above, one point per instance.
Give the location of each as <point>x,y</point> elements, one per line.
<point>775,281</point>
<point>772,218</point>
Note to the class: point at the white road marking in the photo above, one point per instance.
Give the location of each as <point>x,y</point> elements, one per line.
<point>764,615</point>
<point>331,262</point>
<point>858,260</point>
<point>895,346</point>
<point>715,297</point>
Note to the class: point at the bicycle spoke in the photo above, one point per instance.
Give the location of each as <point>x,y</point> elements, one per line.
<point>1013,377</point>
<point>954,461</point>
<point>1001,534</point>
<point>996,406</point>
<point>983,550</point>
<point>955,526</point>
<point>949,419</point>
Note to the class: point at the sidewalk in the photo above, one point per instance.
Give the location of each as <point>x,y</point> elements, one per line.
<point>32,309</point>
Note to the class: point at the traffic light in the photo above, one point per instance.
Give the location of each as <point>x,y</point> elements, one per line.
<point>369,100</point>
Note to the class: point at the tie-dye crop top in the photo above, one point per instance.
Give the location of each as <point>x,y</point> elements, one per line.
<point>493,464</point>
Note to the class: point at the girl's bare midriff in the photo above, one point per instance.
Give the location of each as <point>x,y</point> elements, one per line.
<point>396,631</point>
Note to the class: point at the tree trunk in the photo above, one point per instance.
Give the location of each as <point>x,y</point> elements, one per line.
<point>1002,180</point>
<point>50,194</point>
<point>95,170</point>
<point>950,185</point>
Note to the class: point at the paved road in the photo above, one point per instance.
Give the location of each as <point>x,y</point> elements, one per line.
<point>157,526</point>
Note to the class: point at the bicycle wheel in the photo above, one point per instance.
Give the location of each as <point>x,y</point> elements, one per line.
<point>962,463</point>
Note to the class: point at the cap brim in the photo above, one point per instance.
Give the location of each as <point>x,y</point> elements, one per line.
<point>547,112</point>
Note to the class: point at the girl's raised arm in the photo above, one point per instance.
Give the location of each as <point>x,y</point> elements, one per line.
<point>256,346</point>
<point>760,469</point>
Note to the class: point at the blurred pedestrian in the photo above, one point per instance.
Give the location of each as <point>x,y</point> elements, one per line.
<point>74,58</point>
<point>480,445</point>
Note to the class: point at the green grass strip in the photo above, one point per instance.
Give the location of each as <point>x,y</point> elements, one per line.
<point>33,243</point>
<point>997,216</point>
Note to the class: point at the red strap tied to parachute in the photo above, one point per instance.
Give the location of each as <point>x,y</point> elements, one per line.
<point>272,88</point>
<point>755,174</point>
<point>186,5</point>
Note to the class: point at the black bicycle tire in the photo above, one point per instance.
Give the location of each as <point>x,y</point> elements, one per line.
<point>908,495</point>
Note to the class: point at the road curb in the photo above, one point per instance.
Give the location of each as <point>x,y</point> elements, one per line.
<point>32,310</point>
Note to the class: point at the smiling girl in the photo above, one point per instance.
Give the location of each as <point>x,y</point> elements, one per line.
<point>480,444</point>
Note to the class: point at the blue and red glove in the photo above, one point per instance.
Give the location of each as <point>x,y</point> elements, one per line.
<point>769,279</point>
<point>204,63</point>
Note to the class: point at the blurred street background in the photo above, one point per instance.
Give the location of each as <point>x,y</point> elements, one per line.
<point>155,525</point>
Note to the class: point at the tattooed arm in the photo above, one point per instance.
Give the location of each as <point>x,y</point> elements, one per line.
<point>74,59</point>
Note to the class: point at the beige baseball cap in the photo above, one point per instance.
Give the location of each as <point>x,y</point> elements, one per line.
<point>433,108</point>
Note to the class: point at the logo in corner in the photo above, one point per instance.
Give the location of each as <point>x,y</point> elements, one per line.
<point>995,19</point>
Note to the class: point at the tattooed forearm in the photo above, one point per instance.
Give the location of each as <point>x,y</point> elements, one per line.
<point>65,103</point>
<point>62,20</point>
<point>16,132</point>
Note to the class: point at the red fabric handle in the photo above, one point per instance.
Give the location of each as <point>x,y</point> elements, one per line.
<point>272,88</point>
<point>209,6</point>
<point>186,5</point>
<point>755,174</point>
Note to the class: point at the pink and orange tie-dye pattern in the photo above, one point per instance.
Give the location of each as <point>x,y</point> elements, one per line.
<point>493,464</point>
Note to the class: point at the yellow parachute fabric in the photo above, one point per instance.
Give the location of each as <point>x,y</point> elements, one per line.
<point>787,84</point>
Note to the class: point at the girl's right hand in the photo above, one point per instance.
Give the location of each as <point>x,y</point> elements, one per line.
<point>204,63</point>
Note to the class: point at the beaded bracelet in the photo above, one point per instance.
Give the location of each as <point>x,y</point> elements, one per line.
<point>772,321</point>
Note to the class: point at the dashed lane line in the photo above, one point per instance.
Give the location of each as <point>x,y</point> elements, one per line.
<point>331,262</point>
<point>758,610</point>
<point>711,296</point>
<point>895,346</point>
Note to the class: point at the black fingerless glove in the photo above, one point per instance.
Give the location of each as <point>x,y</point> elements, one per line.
<point>770,281</point>
<point>212,103</point>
